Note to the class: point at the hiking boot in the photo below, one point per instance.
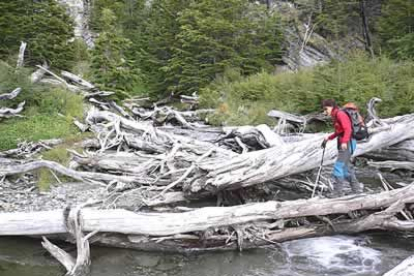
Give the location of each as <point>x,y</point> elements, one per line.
<point>338,189</point>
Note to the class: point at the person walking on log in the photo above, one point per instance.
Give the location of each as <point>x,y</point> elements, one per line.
<point>343,168</point>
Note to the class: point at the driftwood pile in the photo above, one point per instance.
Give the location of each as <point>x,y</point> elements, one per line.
<point>173,170</point>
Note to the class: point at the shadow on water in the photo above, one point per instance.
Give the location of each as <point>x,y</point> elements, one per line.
<point>371,254</point>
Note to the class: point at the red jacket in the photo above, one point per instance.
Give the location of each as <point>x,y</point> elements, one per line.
<point>343,126</point>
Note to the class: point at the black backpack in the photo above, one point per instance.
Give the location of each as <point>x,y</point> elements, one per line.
<point>359,129</point>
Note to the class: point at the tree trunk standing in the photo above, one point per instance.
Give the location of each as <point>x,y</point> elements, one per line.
<point>365,27</point>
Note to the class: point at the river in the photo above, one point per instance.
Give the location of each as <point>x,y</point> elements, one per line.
<point>364,255</point>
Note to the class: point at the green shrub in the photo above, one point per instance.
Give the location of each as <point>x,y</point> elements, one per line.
<point>55,101</point>
<point>34,128</point>
<point>247,100</point>
<point>44,25</point>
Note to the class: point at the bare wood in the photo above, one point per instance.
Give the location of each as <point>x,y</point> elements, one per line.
<point>64,258</point>
<point>61,81</point>
<point>6,169</point>
<point>403,151</point>
<point>260,137</point>
<point>260,166</point>
<point>20,58</point>
<point>54,75</point>
<point>162,224</point>
<point>11,95</point>
<point>80,267</point>
<point>28,149</point>
<point>78,80</point>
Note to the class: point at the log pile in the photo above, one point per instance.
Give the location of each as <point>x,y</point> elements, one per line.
<point>167,161</point>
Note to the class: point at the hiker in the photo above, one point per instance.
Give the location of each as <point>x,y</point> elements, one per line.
<point>343,169</point>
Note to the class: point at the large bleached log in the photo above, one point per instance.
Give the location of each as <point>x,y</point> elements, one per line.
<point>261,136</point>
<point>80,266</point>
<point>403,151</point>
<point>213,228</point>
<point>153,139</point>
<point>20,58</point>
<point>261,166</point>
<point>162,224</point>
<point>393,165</point>
<point>9,169</point>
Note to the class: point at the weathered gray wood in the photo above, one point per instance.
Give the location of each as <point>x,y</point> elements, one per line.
<point>403,151</point>
<point>20,58</point>
<point>164,224</point>
<point>11,95</point>
<point>405,268</point>
<point>7,169</point>
<point>80,266</point>
<point>261,166</point>
<point>38,74</point>
<point>392,165</point>
<point>6,112</point>
<point>78,80</point>
<point>64,258</point>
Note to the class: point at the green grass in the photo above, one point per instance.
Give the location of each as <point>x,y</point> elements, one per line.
<point>34,128</point>
<point>48,114</point>
<point>60,155</point>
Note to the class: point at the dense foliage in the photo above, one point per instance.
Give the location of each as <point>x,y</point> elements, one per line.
<point>226,50</point>
<point>48,111</point>
<point>111,68</point>
<point>183,45</point>
<point>396,28</point>
<point>247,100</point>
<point>43,24</point>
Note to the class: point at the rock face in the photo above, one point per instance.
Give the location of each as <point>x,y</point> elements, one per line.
<point>79,11</point>
<point>304,48</point>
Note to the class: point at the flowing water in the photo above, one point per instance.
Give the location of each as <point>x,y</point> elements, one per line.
<point>363,255</point>
<point>366,255</point>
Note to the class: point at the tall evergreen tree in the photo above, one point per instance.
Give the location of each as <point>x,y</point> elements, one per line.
<point>396,28</point>
<point>155,38</point>
<point>111,68</point>
<point>215,35</point>
<point>43,24</point>
<point>185,44</point>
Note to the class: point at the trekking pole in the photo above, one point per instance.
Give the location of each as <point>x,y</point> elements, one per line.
<point>319,173</point>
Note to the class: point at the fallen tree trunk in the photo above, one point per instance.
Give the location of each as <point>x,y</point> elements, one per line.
<point>392,165</point>
<point>6,112</point>
<point>11,95</point>
<point>261,166</point>
<point>170,156</point>
<point>162,224</point>
<point>80,266</point>
<point>77,80</point>
<point>403,151</point>
<point>20,58</point>
<point>244,226</point>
